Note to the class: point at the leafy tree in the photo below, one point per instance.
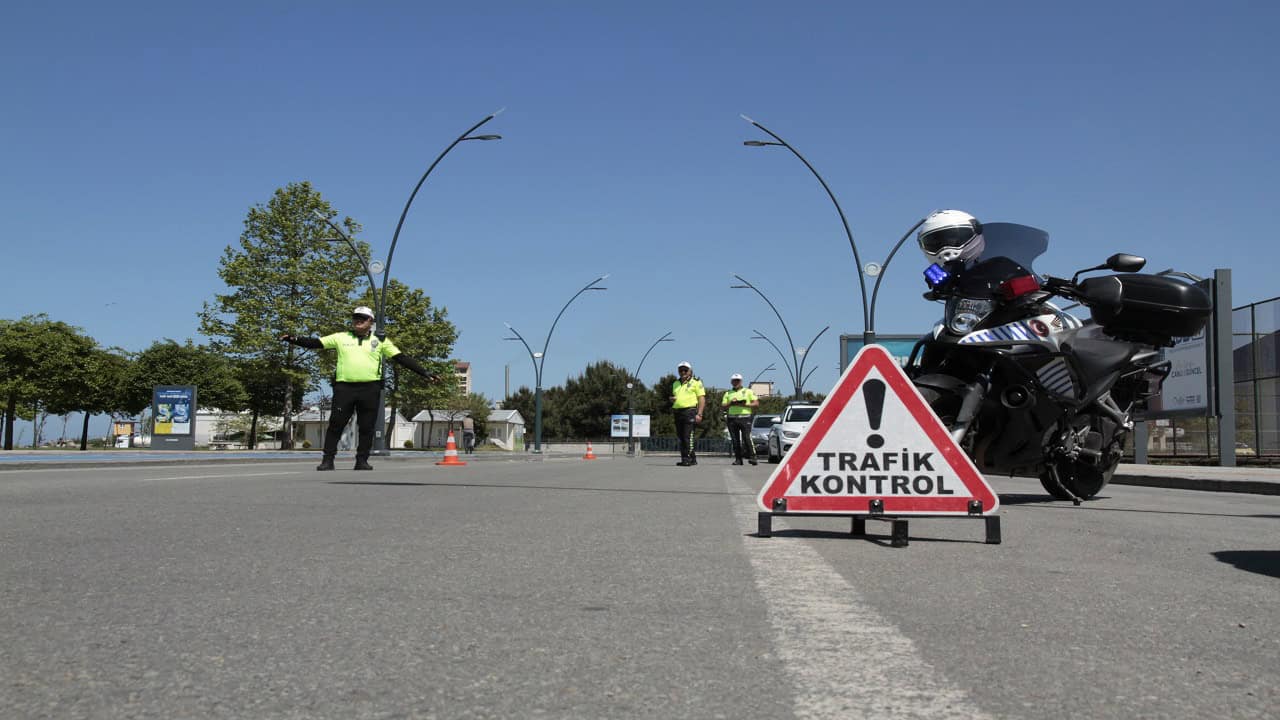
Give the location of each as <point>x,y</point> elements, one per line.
<point>100,387</point>
<point>42,365</point>
<point>478,406</point>
<point>265,386</point>
<point>284,278</point>
<point>662,420</point>
<point>589,399</point>
<point>168,363</point>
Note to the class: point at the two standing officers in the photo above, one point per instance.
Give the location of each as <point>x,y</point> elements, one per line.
<point>739,403</point>
<point>357,383</point>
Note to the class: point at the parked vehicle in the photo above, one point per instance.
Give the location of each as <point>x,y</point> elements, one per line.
<point>786,432</point>
<point>760,425</point>
<point>1026,388</point>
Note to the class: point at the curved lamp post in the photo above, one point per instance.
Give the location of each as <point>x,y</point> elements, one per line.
<point>631,410</point>
<point>380,295</point>
<point>796,365</point>
<point>875,270</point>
<point>539,359</point>
<point>757,377</point>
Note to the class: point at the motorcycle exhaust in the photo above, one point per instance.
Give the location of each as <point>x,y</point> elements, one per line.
<point>1016,397</point>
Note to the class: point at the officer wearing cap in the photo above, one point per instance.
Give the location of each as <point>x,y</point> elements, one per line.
<point>688,399</point>
<point>357,382</point>
<point>738,403</point>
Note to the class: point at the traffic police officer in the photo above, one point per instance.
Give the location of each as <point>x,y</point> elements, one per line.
<point>357,383</point>
<point>738,403</point>
<point>688,399</point>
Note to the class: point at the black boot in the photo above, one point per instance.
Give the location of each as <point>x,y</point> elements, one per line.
<point>326,463</point>
<point>738,461</point>
<point>362,464</point>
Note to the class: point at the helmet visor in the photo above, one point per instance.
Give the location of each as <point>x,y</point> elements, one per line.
<point>944,238</point>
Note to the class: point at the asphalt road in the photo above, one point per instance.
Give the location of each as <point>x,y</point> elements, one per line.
<point>617,588</point>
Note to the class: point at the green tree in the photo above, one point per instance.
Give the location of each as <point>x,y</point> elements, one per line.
<point>42,365</point>
<point>284,277</point>
<point>588,401</point>
<point>100,387</point>
<point>168,363</point>
<point>265,386</point>
<point>478,407</point>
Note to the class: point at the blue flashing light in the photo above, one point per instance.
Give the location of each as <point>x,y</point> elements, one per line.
<point>935,276</point>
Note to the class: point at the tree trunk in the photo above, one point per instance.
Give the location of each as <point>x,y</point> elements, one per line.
<point>286,442</point>
<point>10,410</point>
<point>84,433</point>
<point>253,431</point>
<point>431,427</point>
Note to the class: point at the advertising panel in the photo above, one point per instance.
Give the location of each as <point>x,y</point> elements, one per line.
<point>173,408</point>
<point>618,426</point>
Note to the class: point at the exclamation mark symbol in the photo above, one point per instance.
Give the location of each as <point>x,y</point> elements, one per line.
<point>873,394</point>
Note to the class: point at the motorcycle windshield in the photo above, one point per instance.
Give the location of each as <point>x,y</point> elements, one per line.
<point>1020,243</point>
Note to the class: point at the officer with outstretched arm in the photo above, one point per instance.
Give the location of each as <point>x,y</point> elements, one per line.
<point>357,383</point>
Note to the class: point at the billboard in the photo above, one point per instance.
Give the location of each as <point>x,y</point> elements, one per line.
<point>173,425</point>
<point>618,426</point>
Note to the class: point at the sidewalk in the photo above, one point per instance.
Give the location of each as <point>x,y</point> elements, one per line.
<point>1256,480</point>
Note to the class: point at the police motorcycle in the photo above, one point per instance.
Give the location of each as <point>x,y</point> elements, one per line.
<point>1024,387</point>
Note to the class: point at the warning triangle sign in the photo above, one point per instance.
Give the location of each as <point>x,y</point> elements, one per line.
<point>875,438</point>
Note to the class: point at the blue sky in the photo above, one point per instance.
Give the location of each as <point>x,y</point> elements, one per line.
<point>135,136</point>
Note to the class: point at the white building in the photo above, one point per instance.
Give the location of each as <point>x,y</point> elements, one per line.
<point>310,426</point>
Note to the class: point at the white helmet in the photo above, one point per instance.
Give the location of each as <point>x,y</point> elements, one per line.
<point>949,235</point>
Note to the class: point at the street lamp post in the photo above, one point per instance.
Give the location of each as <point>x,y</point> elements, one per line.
<point>796,365</point>
<point>762,372</point>
<point>539,359</point>
<point>631,410</point>
<point>875,270</point>
<point>380,295</point>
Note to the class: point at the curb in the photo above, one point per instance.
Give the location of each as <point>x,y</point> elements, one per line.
<point>1254,487</point>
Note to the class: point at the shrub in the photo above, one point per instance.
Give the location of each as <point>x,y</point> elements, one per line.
<point>408,444</point>
<point>306,444</point>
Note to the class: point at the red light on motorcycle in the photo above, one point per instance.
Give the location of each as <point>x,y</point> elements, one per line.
<point>1017,287</point>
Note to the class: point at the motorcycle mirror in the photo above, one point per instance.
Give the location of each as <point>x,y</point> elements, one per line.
<point>1124,262</point>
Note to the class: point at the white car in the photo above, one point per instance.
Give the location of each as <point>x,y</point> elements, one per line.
<point>785,433</point>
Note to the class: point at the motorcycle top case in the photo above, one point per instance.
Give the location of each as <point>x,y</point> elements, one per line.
<point>1147,305</point>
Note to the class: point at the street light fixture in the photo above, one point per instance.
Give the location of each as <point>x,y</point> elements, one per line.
<point>796,365</point>
<point>380,295</point>
<point>631,410</point>
<point>762,372</point>
<point>539,359</point>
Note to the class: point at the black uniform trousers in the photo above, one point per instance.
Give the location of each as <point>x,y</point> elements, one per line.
<point>740,434</point>
<point>362,399</point>
<point>685,424</point>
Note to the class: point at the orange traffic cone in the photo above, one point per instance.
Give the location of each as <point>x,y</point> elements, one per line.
<point>590,455</point>
<point>450,452</point>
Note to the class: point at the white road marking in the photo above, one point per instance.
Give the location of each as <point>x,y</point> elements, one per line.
<point>844,659</point>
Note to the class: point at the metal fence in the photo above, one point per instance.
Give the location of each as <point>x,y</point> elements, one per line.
<point>1255,330</point>
<point>1255,351</point>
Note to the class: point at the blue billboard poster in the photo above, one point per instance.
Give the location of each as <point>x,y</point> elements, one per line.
<point>173,407</point>
<point>899,346</point>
